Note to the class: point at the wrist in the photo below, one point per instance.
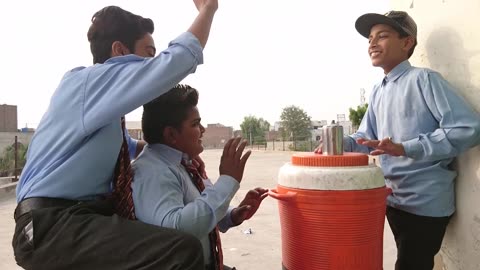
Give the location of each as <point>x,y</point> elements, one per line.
<point>209,9</point>
<point>234,217</point>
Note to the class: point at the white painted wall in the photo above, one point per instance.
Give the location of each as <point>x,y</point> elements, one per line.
<point>449,42</point>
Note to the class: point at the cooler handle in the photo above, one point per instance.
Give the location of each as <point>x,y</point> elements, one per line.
<point>290,195</point>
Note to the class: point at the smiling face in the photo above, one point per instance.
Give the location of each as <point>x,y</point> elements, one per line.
<point>387,49</point>
<point>188,138</point>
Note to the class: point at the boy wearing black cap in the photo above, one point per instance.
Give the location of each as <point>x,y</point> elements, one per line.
<point>417,124</point>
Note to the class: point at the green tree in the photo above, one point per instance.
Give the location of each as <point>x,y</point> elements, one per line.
<point>356,116</point>
<point>7,160</point>
<point>296,122</point>
<point>253,129</point>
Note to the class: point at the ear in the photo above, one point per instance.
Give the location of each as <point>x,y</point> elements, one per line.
<point>408,43</point>
<point>118,49</point>
<point>170,135</point>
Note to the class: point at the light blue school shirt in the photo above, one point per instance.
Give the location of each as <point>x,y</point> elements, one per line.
<point>421,110</point>
<point>73,152</point>
<point>165,195</point>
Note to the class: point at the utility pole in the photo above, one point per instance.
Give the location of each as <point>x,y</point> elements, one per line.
<point>250,130</point>
<point>16,158</point>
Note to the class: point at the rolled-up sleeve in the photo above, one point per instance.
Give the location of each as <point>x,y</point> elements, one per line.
<point>124,83</point>
<point>459,124</point>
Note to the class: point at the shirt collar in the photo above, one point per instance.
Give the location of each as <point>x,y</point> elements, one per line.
<point>171,154</point>
<point>398,71</point>
<point>124,58</point>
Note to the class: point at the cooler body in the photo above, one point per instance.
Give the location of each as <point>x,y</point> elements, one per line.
<point>332,217</point>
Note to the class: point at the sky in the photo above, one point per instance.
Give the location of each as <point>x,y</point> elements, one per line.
<point>262,56</point>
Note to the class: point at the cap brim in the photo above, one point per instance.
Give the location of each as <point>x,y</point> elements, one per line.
<point>365,23</point>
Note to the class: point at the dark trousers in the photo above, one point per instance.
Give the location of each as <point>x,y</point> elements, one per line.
<point>418,238</point>
<point>89,236</point>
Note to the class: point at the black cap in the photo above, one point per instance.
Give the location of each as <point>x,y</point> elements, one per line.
<point>399,20</point>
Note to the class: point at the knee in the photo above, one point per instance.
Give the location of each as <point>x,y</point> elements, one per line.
<point>189,244</point>
<point>190,252</point>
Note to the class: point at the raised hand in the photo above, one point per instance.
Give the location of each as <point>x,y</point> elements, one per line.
<point>249,205</point>
<point>210,4</point>
<point>232,162</point>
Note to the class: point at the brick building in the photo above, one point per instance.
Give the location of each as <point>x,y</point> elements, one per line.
<point>8,118</point>
<point>216,135</point>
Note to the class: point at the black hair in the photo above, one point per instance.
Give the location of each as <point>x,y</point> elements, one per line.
<point>112,24</point>
<point>167,110</point>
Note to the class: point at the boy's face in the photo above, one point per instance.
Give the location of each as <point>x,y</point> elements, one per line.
<point>188,137</point>
<point>387,49</point>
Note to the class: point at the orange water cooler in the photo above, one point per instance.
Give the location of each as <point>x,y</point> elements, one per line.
<point>332,210</point>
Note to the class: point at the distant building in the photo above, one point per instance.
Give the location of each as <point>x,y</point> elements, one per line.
<point>347,127</point>
<point>273,135</point>
<point>216,135</point>
<point>315,124</point>
<point>8,118</point>
<point>26,129</point>
<point>316,134</point>
<point>134,129</point>
<point>277,125</point>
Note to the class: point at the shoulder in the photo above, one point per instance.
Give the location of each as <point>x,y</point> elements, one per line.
<point>425,74</point>
<point>147,160</point>
<point>149,165</point>
<point>75,73</point>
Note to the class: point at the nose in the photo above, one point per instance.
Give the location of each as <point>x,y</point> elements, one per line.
<point>373,43</point>
<point>202,129</point>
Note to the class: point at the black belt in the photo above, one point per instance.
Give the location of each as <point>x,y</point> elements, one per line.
<point>30,204</point>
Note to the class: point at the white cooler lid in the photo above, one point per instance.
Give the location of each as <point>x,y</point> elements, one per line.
<point>316,177</point>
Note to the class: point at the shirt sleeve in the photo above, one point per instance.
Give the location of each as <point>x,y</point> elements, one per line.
<point>350,145</point>
<point>160,201</point>
<point>132,145</point>
<point>459,124</point>
<point>114,89</point>
<point>226,222</point>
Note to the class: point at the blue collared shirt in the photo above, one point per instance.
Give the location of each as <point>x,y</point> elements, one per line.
<point>165,195</point>
<point>73,152</point>
<point>420,109</point>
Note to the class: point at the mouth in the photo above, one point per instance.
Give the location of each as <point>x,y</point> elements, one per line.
<point>374,54</point>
